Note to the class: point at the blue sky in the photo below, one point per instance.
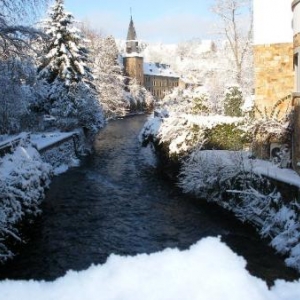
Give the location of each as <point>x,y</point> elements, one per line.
<point>168,21</point>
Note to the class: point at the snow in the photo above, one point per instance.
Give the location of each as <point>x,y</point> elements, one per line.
<point>133,54</point>
<point>270,170</point>
<point>208,174</point>
<point>44,140</point>
<point>177,130</point>
<point>158,69</point>
<point>23,179</point>
<point>209,270</point>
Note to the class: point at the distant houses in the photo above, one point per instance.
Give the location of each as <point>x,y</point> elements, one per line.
<point>157,78</point>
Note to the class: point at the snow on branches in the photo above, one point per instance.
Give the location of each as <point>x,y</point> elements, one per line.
<point>23,179</point>
<point>65,56</point>
<point>64,69</point>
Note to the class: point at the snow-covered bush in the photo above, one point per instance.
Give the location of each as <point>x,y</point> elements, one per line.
<point>200,105</point>
<point>23,179</point>
<point>209,173</point>
<point>227,178</point>
<point>226,136</point>
<point>270,127</point>
<point>181,133</point>
<point>276,218</point>
<point>76,106</point>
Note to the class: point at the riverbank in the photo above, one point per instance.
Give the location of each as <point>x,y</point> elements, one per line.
<point>27,164</point>
<point>255,191</point>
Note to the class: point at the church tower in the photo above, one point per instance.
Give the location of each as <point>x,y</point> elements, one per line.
<point>132,60</point>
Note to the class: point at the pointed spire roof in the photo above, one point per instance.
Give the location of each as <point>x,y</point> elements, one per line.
<point>131,35</point>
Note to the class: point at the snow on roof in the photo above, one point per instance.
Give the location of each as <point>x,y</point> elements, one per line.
<point>159,69</point>
<point>133,54</point>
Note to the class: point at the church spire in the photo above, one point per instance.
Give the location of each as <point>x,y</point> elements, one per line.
<point>131,43</point>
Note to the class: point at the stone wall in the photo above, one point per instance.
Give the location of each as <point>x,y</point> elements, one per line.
<point>274,75</point>
<point>297,40</point>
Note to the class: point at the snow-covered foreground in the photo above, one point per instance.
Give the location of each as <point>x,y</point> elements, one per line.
<point>209,270</point>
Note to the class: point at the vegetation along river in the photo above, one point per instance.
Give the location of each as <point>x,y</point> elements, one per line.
<point>117,202</point>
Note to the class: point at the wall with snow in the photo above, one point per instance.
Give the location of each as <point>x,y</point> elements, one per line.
<point>272,21</point>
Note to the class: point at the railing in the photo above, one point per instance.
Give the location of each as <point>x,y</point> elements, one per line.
<point>9,145</point>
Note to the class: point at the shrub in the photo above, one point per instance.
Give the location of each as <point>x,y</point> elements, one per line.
<point>226,137</point>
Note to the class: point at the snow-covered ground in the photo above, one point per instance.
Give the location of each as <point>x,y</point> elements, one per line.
<point>58,149</point>
<point>44,140</point>
<point>209,270</point>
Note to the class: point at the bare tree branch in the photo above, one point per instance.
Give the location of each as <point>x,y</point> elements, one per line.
<point>236,26</point>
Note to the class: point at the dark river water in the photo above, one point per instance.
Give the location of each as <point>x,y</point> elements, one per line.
<point>117,202</point>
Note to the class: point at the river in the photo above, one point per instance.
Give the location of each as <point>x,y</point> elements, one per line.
<point>118,202</point>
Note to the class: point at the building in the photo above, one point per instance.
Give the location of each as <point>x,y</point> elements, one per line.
<point>157,78</point>
<point>273,53</point>
<point>277,60</point>
<point>296,94</point>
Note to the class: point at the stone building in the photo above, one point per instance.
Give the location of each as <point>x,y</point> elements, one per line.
<point>277,60</point>
<point>296,94</point>
<point>273,53</point>
<point>157,78</point>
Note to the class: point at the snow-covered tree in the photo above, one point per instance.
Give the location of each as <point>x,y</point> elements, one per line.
<point>64,66</point>
<point>139,98</point>
<point>14,30</point>
<point>66,56</point>
<point>109,79</point>
<point>17,79</point>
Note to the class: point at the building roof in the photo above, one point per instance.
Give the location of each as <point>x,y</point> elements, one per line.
<point>158,69</point>
<point>131,35</point>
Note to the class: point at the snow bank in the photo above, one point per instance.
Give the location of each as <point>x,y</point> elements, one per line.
<point>234,181</point>
<point>23,179</point>
<point>209,270</point>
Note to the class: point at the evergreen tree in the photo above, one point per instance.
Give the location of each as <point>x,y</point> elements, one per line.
<point>64,68</point>
<point>233,102</point>
<point>66,57</point>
